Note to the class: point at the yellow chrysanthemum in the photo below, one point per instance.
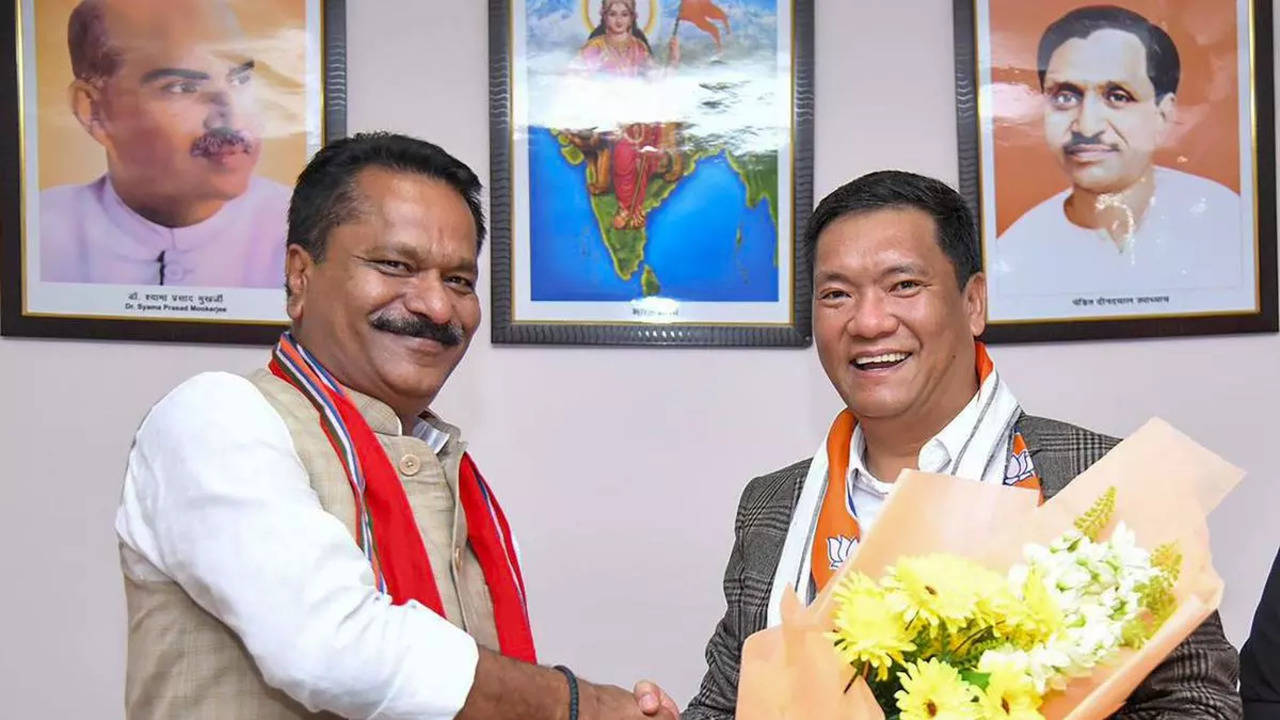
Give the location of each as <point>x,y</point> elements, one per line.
<point>996,599</point>
<point>1038,616</point>
<point>867,628</point>
<point>1010,695</point>
<point>934,589</point>
<point>933,690</point>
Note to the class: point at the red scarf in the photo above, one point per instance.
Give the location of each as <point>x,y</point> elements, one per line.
<point>385,526</point>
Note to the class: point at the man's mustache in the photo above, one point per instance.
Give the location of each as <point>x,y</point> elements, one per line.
<point>222,141</point>
<point>446,334</point>
<point>1077,141</point>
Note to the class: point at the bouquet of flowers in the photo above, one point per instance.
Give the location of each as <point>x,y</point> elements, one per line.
<point>968,602</point>
<point>941,635</point>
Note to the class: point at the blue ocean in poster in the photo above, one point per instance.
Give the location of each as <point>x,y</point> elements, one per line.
<point>683,209</point>
<point>703,243</point>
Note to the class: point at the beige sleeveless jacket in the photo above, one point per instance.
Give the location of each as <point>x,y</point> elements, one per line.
<point>184,663</point>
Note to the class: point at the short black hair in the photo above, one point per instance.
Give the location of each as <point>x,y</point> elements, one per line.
<point>325,195</point>
<point>93,57</point>
<point>894,189</point>
<point>1164,69</point>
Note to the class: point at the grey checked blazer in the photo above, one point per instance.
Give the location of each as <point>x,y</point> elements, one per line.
<point>1197,681</point>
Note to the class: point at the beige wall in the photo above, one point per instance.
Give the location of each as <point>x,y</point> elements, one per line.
<point>621,468</point>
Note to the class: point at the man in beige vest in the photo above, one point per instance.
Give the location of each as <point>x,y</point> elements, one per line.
<point>309,540</point>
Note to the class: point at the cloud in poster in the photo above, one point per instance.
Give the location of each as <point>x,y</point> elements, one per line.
<point>736,99</point>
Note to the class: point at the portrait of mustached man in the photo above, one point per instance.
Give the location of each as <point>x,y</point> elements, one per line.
<point>1109,83</point>
<point>166,87</point>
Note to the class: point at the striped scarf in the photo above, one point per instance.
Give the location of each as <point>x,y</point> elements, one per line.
<point>385,527</point>
<point>824,526</point>
<point>1011,463</point>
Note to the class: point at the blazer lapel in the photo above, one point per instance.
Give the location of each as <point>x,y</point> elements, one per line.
<point>1046,465</point>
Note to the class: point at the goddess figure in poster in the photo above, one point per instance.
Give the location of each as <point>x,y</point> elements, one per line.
<point>622,160</point>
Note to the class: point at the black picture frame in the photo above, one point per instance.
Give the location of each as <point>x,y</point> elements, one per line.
<point>16,321</point>
<point>507,330</point>
<point>1262,320</point>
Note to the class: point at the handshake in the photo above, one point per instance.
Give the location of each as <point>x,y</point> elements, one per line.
<point>610,701</point>
<point>507,688</point>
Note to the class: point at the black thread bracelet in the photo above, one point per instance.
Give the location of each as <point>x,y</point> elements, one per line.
<point>573,690</point>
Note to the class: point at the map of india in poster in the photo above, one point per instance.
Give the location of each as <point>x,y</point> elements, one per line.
<point>651,160</point>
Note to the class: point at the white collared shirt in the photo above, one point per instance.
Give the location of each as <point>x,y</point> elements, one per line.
<point>216,500</point>
<point>867,493</point>
<point>435,438</point>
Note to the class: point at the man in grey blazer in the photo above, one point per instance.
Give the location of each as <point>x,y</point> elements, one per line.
<point>899,300</point>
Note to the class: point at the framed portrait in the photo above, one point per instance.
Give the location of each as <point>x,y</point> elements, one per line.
<point>651,171</point>
<point>147,157</point>
<point>1120,158</point>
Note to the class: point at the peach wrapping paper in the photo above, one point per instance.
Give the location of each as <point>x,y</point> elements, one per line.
<point>1165,484</point>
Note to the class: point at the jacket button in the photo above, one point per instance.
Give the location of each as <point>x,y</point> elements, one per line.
<point>410,465</point>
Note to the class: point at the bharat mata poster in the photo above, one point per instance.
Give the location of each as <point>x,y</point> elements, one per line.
<point>651,154</point>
